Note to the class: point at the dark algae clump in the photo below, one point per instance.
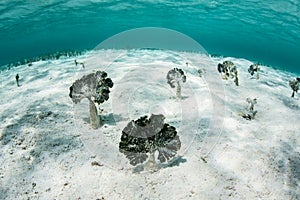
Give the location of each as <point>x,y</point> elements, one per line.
<point>143,137</point>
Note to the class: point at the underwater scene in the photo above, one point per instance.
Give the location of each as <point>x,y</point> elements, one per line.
<point>149,99</point>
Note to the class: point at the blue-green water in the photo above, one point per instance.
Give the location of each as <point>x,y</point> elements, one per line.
<point>263,31</point>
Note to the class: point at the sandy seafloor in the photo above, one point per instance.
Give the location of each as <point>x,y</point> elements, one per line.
<point>48,151</point>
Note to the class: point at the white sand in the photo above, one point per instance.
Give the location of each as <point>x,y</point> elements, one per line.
<point>47,147</point>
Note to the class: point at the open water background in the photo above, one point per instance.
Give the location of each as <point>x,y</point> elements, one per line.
<point>263,31</point>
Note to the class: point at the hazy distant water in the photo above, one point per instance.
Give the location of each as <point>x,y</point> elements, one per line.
<point>265,31</point>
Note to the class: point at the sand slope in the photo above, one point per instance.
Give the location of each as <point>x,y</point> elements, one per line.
<point>48,151</point>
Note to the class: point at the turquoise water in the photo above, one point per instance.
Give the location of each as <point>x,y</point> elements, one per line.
<point>263,31</point>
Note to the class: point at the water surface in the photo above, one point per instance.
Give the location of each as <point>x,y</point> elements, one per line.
<point>264,31</point>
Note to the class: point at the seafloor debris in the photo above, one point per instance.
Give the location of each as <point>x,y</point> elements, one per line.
<point>249,113</point>
<point>143,137</point>
<point>294,84</point>
<point>228,71</point>
<point>175,78</point>
<point>95,163</point>
<point>94,87</point>
<point>201,72</point>
<point>79,63</point>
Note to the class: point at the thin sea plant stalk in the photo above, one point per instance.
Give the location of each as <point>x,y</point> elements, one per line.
<point>94,117</point>
<point>178,91</point>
